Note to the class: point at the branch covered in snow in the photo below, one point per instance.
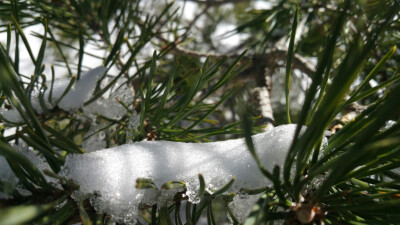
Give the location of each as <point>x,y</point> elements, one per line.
<point>109,176</point>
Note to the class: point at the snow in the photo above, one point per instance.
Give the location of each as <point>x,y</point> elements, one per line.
<point>74,99</point>
<point>7,175</point>
<point>108,106</point>
<point>81,91</point>
<point>109,176</point>
<point>242,206</point>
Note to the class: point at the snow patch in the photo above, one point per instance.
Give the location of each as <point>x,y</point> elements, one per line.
<point>109,176</point>
<point>74,99</point>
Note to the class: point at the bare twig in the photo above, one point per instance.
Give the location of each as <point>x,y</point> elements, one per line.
<point>299,62</point>
<point>261,94</point>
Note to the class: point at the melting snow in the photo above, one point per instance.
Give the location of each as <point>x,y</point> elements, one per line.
<point>109,176</point>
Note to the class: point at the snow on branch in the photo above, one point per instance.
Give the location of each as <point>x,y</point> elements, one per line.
<point>110,176</point>
<point>80,92</point>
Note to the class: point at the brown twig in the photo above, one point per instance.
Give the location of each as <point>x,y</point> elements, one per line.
<point>299,62</point>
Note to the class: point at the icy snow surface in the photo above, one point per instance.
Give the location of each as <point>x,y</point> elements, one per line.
<point>79,93</point>
<point>109,175</point>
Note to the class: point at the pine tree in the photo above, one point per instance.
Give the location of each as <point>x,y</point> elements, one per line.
<point>161,78</point>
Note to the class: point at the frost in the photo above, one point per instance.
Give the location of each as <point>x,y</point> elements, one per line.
<point>109,176</point>
<point>74,99</point>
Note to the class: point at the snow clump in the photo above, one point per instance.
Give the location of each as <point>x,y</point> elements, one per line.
<point>80,92</point>
<point>109,176</point>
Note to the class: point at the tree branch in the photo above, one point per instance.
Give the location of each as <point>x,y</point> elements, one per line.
<point>217,3</point>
